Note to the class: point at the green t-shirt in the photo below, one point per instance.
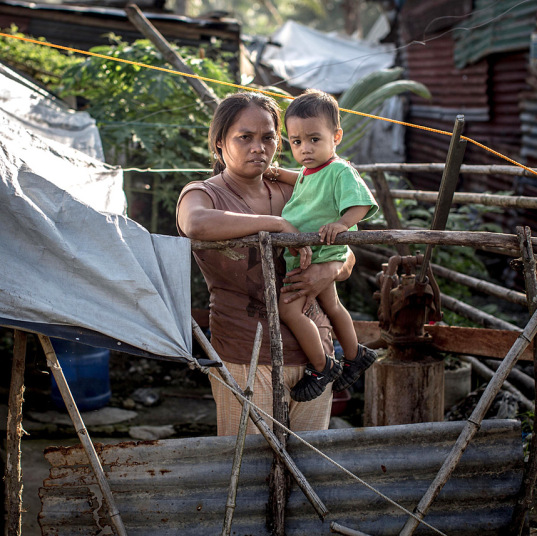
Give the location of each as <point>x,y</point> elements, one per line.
<point>323,197</point>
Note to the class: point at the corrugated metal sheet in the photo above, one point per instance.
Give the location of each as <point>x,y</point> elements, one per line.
<point>494,27</point>
<point>453,90</point>
<point>528,119</point>
<point>180,486</point>
<point>420,20</point>
<point>491,93</point>
<point>84,27</point>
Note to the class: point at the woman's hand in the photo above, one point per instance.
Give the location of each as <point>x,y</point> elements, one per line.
<point>310,282</point>
<point>305,255</point>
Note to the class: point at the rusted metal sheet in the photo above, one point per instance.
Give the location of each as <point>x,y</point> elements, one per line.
<point>420,20</point>
<point>495,27</point>
<point>482,74</point>
<point>84,27</point>
<point>453,90</point>
<point>528,119</point>
<point>179,486</point>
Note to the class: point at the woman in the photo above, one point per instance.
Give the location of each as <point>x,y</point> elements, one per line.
<point>238,201</point>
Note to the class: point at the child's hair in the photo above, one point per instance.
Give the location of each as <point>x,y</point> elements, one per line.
<point>226,115</point>
<point>314,103</point>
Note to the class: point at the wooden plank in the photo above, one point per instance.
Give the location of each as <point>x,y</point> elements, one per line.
<point>480,342</point>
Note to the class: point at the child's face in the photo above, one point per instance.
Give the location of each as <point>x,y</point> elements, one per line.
<point>313,140</point>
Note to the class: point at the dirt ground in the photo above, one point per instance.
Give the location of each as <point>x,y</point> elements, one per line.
<point>149,399</point>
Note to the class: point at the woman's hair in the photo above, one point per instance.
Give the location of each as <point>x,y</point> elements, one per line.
<point>226,115</point>
<point>314,103</point>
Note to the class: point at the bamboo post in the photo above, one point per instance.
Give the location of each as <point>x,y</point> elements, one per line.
<point>279,479</point>
<point>387,237</point>
<point>13,472</point>
<point>516,375</point>
<point>385,199</point>
<point>467,311</point>
<point>340,529</point>
<point>241,436</point>
<point>262,426</point>
<point>380,255</point>
<point>472,425</point>
<point>467,198</point>
<point>457,147</point>
<point>95,463</point>
<point>141,23</point>
<point>526,493</point>
<point>395,167</point>
<point>487,373</point>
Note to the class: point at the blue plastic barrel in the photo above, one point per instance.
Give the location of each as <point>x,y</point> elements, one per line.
<point>86,370</point>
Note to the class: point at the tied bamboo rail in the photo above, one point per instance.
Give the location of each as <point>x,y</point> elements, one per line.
<point>474,239</point>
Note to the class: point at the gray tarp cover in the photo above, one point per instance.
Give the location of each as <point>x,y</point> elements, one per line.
<point>83,263</point>
<point>308,58</point>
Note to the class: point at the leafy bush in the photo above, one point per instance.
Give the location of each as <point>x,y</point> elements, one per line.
<point>148,118</point>
<point>44,64</point>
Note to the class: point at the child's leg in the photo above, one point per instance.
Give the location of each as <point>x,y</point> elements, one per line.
<point>357,357</point>
<point>304,330</point>
<point>322,369</point>
<point>340,319</point>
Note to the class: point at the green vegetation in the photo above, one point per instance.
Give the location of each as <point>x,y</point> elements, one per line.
<point>44,64</point>
<point>148,118</point>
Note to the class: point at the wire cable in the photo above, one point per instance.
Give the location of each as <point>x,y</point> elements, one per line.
<point>269,93</point>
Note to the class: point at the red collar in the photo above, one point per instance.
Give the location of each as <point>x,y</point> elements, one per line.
<point>310,171</point>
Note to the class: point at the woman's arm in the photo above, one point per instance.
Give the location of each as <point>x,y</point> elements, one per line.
<point>198,219</point>
<point>317,277</point>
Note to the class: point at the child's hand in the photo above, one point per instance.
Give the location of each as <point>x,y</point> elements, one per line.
<point>305,255</point>
<point>329,232</point>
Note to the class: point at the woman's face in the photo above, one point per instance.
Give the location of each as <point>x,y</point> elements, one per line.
<point>250,143</point>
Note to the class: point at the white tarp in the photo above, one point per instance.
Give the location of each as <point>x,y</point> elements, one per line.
<point>308,58</point>
<point>78,261</point>
<point>34,109</point>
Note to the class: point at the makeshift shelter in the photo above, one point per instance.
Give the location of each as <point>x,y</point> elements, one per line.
<point>307,58</point>
<point>70,257</point>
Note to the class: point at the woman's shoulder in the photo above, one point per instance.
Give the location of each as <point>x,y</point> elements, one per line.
<point>208,186</point>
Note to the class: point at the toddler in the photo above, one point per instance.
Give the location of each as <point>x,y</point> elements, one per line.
<point>329,197</point>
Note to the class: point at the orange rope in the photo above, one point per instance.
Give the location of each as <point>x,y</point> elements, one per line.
<point>272,94</point>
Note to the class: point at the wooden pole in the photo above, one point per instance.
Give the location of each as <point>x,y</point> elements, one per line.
<point>487,373</point>
<point>472,425</point>
<point>279,479</point>
<point>471,282</point>
<point>529,480</point>
<point>241,436</point>
<point>385,200</point>
<point>78,423</point>
<point>467,311</point>
<point>450,177</point>
<point>340,529</point>
<point>13,473</point>
<point>150,32</point>
<point>467,198</point>
<point>516,375</point>
<point>439,168</point>
<point>388,237</point>
<point>262,426</point>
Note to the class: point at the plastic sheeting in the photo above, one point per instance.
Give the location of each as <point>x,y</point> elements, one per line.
<point>69,257</point>
<point>32,108</point>
<point>308,58</point>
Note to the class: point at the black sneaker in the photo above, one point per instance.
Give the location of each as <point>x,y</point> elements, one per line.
<point>314,383</point>
<point>352,370</point>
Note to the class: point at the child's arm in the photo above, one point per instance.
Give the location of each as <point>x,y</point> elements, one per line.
<point>351,217</point>
<point>275,173</point>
